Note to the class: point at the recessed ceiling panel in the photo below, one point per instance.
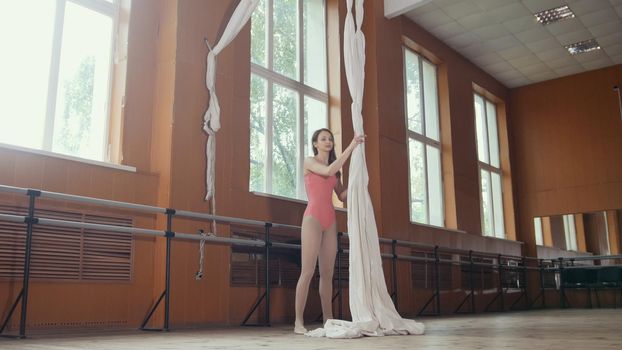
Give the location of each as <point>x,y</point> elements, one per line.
<point>504,38</point>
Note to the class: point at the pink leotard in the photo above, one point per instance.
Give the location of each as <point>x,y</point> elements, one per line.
<point>320,194</point>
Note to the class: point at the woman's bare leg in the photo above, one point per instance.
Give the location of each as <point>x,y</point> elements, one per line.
<point>310,239</point>
<point>328,253</point>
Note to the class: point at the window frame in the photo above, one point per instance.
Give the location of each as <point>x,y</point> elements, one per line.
<point>422,138</point>
<point>606,218</point>
<point>538,231</point>
<point>271,77</point>
<point>489,168</point>
<point>570,232</point>
<point>110,9</point>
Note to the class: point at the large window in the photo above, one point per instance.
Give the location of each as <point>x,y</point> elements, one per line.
<point>489,167</point>
<point>570,232</point>
<point>289,99</point>
<point>56,73</point>
<point>537,225</point>
<point>424,148</point>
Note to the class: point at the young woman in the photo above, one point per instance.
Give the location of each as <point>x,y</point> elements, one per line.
<point>319,229</point>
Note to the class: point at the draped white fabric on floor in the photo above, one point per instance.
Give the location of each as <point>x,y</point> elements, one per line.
<point>211,119</point>
<point>373,312</point>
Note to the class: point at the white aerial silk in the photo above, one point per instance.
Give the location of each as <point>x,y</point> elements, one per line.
<point>211,119</point>
<point>373,312</point>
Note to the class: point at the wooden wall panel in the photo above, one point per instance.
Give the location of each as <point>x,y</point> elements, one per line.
<point>613,231</point>
<point>557,232</point>
<point>580,226</point>
<point>596,234</point>
<point>565,143</point>
<point>143,42</point>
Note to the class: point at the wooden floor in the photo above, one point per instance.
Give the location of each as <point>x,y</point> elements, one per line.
<point>533,330</point>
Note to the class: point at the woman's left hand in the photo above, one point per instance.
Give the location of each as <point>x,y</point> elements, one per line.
<point>358,139</point>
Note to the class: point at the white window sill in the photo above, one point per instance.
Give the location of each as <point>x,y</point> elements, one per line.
<point>294,200</point>
<point>436,227</point>
<point>66,157</point>
<point>503,239</point>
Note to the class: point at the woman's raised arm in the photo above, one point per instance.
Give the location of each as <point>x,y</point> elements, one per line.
<point>314,166</point>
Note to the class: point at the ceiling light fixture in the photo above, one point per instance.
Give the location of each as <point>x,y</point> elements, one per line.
<point>583,47</point>
<point>554,15</point>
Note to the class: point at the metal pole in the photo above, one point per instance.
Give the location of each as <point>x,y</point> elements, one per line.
<point>472,281</point>
<point>525,283</point>
<point>501,276</point>
<point>438,287</point>
<point>30,221</point>
<point>542,290</point>
<point>562,293</point>
<point>394,265</point>
<point>267,253</point>
<point>167,292</point>
<point>339,286</point>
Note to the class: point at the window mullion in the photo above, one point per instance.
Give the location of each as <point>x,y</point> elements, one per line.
<point>289,83</point>
<point>427,183</point>
<point>301,47</point>
<point>48,131</point>
<point>422,138</point>
<point>300,116</point>
<point>269,130</point>
<point>269,96</point>
<point>103,7</point>
<point>410,198</point>
<point>489,167</point>
<point>301,96</point>
<point>486,139</point>
<point>409,133</point>
<point>421,95</point>
<point>301,144</point>
<point>270,34</point>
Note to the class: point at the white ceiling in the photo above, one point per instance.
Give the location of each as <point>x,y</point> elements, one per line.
<point>504,38</point>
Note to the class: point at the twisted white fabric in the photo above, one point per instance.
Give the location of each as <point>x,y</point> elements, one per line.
<point>373,312</point>
<point>211,119</point>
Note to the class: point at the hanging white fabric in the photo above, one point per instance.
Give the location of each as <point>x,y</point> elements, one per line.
<point>211,119</point>
<point>373,312</point>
